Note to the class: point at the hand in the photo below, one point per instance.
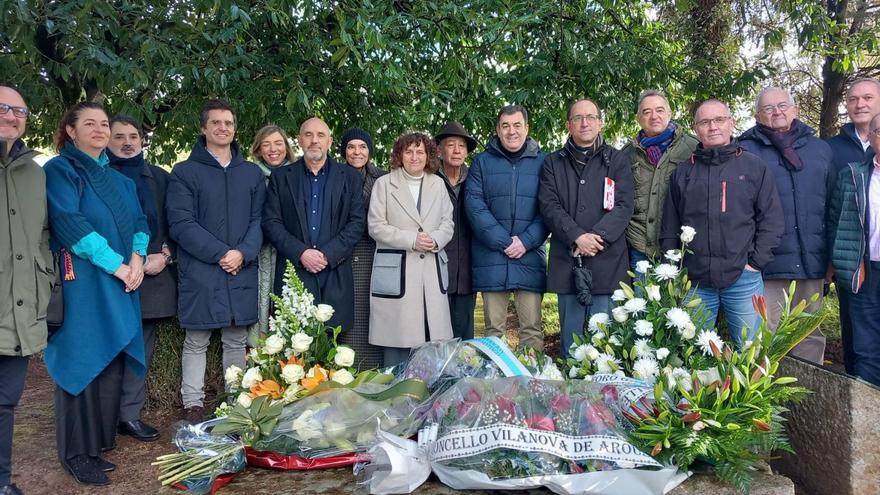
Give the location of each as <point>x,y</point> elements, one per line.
<point>123,273</point>
<point>589,244</point>
<point>516,249</point>
<point>155,264</point>
<point>424,242</point>
<point>232,261</point>
<point>829,274</point>
<point>313,260</point>
<point>750,268</point>
<point>136,273</point>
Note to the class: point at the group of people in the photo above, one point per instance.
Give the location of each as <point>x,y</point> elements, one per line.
<point>401,254</point>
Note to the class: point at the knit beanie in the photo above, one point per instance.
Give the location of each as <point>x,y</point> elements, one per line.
<point>355,133</point>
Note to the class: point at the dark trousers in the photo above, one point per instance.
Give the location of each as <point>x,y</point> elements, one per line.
<point>863,310</point>
<point>134,386</point>
<point>13,370</point>
<point>85,424</point>
<point>461,310</point>
<point>846,330</point>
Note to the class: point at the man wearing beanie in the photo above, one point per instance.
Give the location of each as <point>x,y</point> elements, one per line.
<point>314,216</point>
<point>586,200</point>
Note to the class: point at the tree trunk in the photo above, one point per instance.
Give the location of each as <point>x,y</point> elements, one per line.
<point>833,81</point>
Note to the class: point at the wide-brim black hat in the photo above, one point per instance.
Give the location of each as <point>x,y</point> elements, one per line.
<point>454,129</point>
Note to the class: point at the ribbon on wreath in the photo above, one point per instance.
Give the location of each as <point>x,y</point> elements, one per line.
<point>500,354</point>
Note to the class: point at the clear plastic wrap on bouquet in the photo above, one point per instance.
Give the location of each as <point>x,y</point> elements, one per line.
<point>198,445</point>
<point>342,420</point>
<point>521,432</point>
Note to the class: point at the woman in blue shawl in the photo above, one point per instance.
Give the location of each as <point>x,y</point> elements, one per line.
<point>98,229</point>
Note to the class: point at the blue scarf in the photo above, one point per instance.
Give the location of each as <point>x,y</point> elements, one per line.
<point>133,168</point>
<point>657,145</point>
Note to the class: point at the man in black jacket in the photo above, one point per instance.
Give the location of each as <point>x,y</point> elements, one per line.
<point>159,288</point>
<point>314,216</point>
<point>728,195</point>
<point>586,200</point>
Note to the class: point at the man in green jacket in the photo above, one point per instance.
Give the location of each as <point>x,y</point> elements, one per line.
<point>25,267</point>
<point>854,247</point>
<point>659,147</point>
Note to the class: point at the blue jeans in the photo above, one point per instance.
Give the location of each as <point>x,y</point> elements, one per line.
<point>573,316</point>
<point>634,257</point>
<point>863,311</point>
<point>737,303</point>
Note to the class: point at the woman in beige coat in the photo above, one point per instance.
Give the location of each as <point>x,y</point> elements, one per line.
<point>410,219</point>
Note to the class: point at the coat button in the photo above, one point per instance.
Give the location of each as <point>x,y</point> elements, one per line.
<point>650,220</point>
<point>19,302</point>
<point>420,229</point>
<point>17,348</point>
<point>581,208</point>
<point>18,257</point>
<point>583,181</point>
<point>12,211</point>
<point>422,256</point>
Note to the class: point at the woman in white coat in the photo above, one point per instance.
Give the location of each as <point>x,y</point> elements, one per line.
<point>410,219</point>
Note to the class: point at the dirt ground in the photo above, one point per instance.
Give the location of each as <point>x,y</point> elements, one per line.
<point>37,471</point>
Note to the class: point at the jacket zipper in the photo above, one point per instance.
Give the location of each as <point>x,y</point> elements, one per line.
<point>859,194</point>
<point>226,190</point>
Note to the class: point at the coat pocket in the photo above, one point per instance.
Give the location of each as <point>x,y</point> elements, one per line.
<point>443,270</point>
<point>388,279</point>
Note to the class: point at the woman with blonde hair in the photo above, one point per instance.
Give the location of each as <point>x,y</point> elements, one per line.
<point>271,150</point>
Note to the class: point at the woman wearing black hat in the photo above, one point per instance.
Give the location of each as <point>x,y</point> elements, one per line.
<point>455,144</point>
<point>356,148</point>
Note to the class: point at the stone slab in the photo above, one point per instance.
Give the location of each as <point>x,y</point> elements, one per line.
<point>835,433</point>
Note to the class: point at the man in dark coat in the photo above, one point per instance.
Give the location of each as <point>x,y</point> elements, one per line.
<point>314,216</point>
<point>586,200</point>
<point>159,288</point>
<point>738,231</point>
<point>501,203</point>
<point>455,145</point>
<point>25,267</point>
<point>214,204</point>
<point>852,146</point>
<point>801,167</point>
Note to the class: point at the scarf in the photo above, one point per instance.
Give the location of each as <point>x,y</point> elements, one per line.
<point>513,156</point>
<point>783,141</point>
<point>717,155</point>
<point>102,183</point>
<point>133,168</point>
<point>656,146</point>
<point>582,155</point>
<point>267,169</point>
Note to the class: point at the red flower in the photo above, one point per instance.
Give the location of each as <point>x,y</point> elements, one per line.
<point>472,396</point>
<point>597,414</point>
<point>506,406</point>
<point>610,393</point>
<point>560,403</point>
<point>541,423</point>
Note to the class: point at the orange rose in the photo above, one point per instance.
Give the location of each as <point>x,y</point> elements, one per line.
<point>318,376</point>
<point>267,387</point>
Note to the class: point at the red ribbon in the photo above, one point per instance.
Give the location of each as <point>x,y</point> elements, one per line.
<point>274,460</point>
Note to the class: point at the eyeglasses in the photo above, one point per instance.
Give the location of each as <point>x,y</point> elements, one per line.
<point>876,132</point>
<point>20,112</point>
<point>782,107</point>
<point>718,121</point>
<point>590,117</point>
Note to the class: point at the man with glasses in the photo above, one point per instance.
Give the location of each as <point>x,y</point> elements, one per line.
<point>854,241</point>
<point>214,205</point>
<point>728,195</point>
<point>25,267</point>
<point>659,147</point>
<point>501,202</point>
<point>801,167</point>
<point>586,200</point>
<point>852,145</point>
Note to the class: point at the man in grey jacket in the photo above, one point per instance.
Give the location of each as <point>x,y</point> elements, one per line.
<point>25,267</point>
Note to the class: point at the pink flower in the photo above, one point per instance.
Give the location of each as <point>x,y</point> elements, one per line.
<point>541,423</point>
<point>506,406</point>
<point>610,393</point>
<point>560,403</point>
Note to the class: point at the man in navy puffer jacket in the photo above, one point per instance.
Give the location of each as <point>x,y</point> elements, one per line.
<point>501,202</point>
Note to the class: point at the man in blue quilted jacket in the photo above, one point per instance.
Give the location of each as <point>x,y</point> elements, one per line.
<point>501,202</point>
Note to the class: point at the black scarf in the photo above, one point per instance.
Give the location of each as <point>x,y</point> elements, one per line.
<point>582,155</point>
<point>783,141</point>
<point>513,155</point>
<point>133,168</point>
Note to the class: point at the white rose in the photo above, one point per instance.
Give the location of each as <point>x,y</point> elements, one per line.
<point>653,292</point>
<point>233,376</point>
<point>662,353</point>
<point>592,353</point>
<point>618,295</point>
<point>344,356</point>
<point>301,342</point>
<point>342,377</point>
<point>573,372</point>
<point>273,344</point>
<point>580,352</point>
<point>323,312</point>
<point>292,373</point>
<point>620,314</point>
<point>244,399</point>
<point>687,234</point>
<point>614,340</point>
<point>251,377</point>
<point>688,331</point>
<point>673,255</point>
<point>291,391</point>
<point>642,266</point>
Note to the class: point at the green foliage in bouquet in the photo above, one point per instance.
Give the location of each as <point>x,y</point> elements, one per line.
<point>732,414</point>
<point>251,423</point>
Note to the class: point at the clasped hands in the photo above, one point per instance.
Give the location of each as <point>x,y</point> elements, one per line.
<point>131,274</point>
<point>588,244</point>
